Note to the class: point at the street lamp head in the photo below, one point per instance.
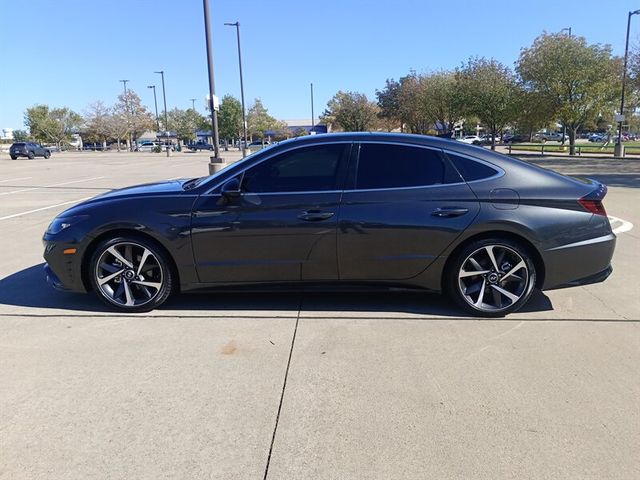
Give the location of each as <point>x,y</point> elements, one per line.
<point>634,13</point>
<point>236,24</point>
<point>161,72</point>
<point>151,86</point>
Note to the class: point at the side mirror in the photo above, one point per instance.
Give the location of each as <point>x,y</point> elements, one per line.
<point>231,189</point>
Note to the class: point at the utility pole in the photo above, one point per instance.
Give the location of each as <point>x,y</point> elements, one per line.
<point>212,89</point>
<point>244,118</point>
<point>619,149</point>
<point>193,104</point>
<point>166,121</point>
<point>155,103</point>
<point>313,122</point>
<point>128,109</point>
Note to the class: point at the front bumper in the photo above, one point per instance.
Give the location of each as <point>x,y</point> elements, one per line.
<point>579,263</point>
<point>63,272</point>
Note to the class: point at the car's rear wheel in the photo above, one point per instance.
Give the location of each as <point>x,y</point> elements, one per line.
<point>31,155</point>
<point>491,277</point>
<point>14,157</point>
<point>131,274</point>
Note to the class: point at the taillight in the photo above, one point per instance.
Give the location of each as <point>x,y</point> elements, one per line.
<point>594,206</point>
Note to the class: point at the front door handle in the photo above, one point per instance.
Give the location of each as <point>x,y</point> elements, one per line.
<point>315,215</point>
<point>447,212</point>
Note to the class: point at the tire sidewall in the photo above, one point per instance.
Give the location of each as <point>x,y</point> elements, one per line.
<point>167,274</point>
<point>453,288</point>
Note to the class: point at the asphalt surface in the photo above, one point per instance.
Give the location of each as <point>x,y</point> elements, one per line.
<point>301,386</point>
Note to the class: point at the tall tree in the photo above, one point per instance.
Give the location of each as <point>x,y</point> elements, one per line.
<point>389,103</point>
<point>351,112</point>
<point>137,118</point>
<point>185,123</point>
<point>440,100</point>
<point>20,136</point>
<point>577,80</point>
<point>96,121</point>
<point>532,113</point>
<point>230,118</point>
<point>488,90</point>
<point>117,127</point>
<point>52,125</point>
<point>259,122</point>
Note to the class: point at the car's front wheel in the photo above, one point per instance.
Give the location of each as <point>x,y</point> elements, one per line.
<point>47,154</point>
<point>131,274</point>
<point>491,277</point>
<point>14,157</point>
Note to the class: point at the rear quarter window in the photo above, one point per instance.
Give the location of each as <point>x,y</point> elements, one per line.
<point>472,170</point>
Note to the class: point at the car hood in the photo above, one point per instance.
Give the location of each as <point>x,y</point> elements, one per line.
<point>157,188</point>
<point>169,187</point>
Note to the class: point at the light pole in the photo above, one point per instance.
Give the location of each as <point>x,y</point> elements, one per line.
<point>312,113</point>
<point>155,103</point>
<point>244,120</point>
<point>193,104</point>
<point>564,127</point>
<point>126,103</point>
<point>166,122</point>
<point>618,151</point>
<point>212,88</point>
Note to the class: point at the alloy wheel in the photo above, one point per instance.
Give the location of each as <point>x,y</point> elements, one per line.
<point>493,278</point>
<point>129,274</point>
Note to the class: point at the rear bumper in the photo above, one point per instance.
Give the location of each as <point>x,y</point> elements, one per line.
<point>595,278</point>
<point>579,263</point>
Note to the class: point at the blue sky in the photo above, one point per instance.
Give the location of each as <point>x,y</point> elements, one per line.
<point>73,52</point>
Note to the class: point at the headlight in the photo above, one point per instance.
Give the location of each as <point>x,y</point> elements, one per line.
<point>59,224</point>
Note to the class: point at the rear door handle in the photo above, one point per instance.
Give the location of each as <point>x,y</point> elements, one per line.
<point>447,212</point>
<point>315,215</point>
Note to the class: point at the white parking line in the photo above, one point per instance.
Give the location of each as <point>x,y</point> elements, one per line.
<point>623,227</point>
<point>15,179</point>
<point>21,214</point>
<point>51,185</point>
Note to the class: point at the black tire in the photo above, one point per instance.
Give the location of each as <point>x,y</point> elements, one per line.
<point>47,154</point>
<point>461,284</point>
<point>14,157</point>
<point>156,269</point>
<point>30,155</point>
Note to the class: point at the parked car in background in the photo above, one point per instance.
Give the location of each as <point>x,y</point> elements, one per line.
<point>147,146</point>
<point>366,210</point>
<point>471,139</point>
<point>94,147</point>
<point>511,138</point>
<point>552,136</point>
<point>199,145</point>
<point>598,137</point>
<point>29,150</point>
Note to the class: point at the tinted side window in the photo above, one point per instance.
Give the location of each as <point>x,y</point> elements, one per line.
<point>301,170</point>
<point>391,166</point>
<point>471,170</point>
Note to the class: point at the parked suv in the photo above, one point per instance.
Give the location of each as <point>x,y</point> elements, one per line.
<point>29,150</point>
<point>200,145</point>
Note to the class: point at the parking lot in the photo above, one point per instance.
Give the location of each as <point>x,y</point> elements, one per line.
<point>308,386</point>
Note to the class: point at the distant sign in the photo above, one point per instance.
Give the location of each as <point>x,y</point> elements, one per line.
<point>619,118</point>
<point>215,104</point>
